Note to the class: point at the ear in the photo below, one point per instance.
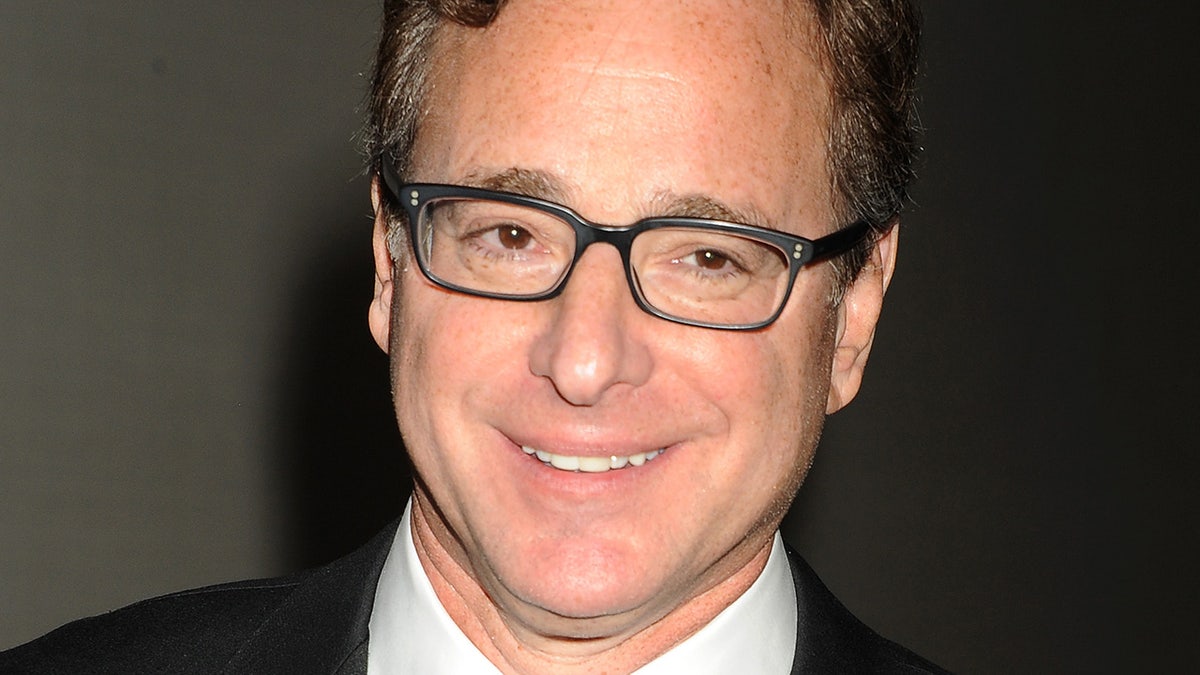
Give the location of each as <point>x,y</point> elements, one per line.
<point>858,314</point>
<point>380,314</point>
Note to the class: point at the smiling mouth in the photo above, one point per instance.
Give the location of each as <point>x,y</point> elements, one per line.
<point>591,464</point>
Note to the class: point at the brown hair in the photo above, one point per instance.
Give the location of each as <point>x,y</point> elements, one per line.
<point>870,52</point>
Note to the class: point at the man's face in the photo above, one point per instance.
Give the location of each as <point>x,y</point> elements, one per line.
<point>623,109</point>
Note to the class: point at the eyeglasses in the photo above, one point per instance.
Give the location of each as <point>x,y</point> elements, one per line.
<point>694,271</point>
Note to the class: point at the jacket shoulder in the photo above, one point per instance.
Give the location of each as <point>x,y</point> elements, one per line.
<point>315,621</point>
<point>191,631</point>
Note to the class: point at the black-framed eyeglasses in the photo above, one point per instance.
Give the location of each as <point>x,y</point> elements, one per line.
<point>694,271</point>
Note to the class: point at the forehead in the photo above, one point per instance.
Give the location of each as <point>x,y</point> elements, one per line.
<point>761,32</point>
<point>709,97</point>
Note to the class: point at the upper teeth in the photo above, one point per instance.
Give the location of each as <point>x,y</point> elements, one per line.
<point>591,464</point>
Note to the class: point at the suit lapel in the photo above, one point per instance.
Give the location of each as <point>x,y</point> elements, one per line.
<point>828,638</point>
<point>323,625</point>
<point>356,663</point>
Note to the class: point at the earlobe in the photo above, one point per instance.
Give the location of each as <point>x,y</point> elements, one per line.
<point>858,315</point>
<point>380,314</point>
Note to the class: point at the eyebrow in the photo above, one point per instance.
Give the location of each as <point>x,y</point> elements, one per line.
<point>664,204</point>
<point>670,204</point>
<point>525,182</point>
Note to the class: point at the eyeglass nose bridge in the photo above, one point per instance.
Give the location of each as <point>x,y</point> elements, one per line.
<point>619,237</point>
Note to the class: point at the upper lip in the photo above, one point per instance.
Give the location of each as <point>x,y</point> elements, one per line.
<point>588,446</point>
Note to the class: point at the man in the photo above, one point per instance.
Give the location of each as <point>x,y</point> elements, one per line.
<point>628,255</point>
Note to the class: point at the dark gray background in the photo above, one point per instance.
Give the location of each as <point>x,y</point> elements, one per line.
<point>189,394</point>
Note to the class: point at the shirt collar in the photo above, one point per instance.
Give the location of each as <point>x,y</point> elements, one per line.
<point>410,630</point>
<point>412,633</point>
<point>755,634</point>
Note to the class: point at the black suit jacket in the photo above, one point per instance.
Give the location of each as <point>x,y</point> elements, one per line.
<point>316,622</point>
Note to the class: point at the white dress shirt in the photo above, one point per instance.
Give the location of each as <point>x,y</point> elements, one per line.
<point>412,633</point>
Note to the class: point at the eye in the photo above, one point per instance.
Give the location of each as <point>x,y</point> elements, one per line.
<point>513,237</point>
<point>709,259</point>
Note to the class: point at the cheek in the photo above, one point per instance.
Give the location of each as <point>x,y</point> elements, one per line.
<point>786,384</point>
<point>418,370</point>
<point>445,347</point>
<point>785,372</point>
<point>410,319</point>
<point>431,380</point>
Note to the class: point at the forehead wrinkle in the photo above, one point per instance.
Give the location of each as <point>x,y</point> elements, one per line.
<point>629,73</point>
<point>602,64</point>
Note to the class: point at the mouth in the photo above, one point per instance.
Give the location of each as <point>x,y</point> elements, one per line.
<point>591,464</point>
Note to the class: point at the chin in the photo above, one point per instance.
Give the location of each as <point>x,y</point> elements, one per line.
<point>589,583</point>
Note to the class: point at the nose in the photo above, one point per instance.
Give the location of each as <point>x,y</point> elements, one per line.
<point>592,342</point>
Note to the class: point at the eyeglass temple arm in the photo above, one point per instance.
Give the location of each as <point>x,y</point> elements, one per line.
<point>391,179</point>
<point>841,241</point>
